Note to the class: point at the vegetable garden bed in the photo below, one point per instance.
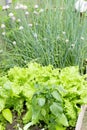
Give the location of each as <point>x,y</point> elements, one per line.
<point>32,96</point>
<point>41,96</point>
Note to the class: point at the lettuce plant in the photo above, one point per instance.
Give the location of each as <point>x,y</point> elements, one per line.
<point>42,95</point>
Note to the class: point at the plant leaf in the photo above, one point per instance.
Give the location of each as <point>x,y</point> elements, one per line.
<point>43,112</point>
<point>63,120</point>
<point>27,125</point>
<point>57,96</point>
<point>41,101</point>
<point>56,109</point>
<point>2,104</point>
<point>59,127</point>
<point>2,127</point>
<point>7,114</point>
<point>27,116</point>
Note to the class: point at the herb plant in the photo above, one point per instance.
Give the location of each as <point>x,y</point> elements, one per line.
<point>49,32</point>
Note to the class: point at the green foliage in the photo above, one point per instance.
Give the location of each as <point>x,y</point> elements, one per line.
<point>46,108</point>
<point>0,8</point>
<point>55,36</point>
<point>71,112</point>
<point>7,115</point>
<point>60,128</point>
<point>2,127</point>
<point>49,97</point>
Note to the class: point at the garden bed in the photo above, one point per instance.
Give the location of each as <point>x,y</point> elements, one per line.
<point>46,94</point>
<point>41,97</point>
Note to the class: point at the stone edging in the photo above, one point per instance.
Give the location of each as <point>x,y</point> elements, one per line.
<point>80,117</point>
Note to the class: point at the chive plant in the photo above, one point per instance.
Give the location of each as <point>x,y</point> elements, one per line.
<point>49,32</point>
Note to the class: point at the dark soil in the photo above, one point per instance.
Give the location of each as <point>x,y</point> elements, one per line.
<point>11,126</point>
<point>35,128</point>
<point>70,128</point>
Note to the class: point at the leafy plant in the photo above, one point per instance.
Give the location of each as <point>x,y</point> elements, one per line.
<point>47,106</point>
<point>42,95</point>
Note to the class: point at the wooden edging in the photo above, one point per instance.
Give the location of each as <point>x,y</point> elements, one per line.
<point>80,117</point>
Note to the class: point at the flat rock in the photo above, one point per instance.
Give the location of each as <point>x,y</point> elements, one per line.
<point>84,122</point>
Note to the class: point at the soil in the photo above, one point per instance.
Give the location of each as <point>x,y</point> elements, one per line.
<point>70,128</point>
